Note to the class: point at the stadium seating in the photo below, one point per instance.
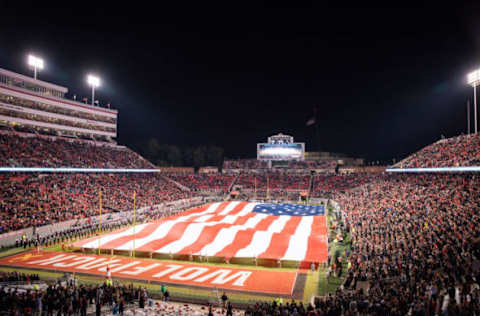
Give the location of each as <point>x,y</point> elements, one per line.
<point>203,181</point>
<point>414,240</point>
<point>451,152</point>
<point>41,199</point>
<point>327,184</point>
<point>313,164</point>
<point>27,150</point>
<point>244,164</point>
<point>277,181</point>
<point>253,164</point>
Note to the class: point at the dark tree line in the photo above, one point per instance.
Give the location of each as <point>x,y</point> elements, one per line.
<point>164,155</point>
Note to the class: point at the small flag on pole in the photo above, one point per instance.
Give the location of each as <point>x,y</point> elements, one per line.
<point>311,121</point>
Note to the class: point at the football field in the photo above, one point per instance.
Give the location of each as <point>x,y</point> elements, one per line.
<point>192,278</point>
<point>233,231</point>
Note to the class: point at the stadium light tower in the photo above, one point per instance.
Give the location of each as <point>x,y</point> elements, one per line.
<point>36,63</point>
<point>94,82</point>
<point>473,79</point>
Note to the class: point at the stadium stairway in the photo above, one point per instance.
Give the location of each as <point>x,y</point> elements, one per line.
<point>179,185</point>
<point>233,183</point>
<point>310,186</point>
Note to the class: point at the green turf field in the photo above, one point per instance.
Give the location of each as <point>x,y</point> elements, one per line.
<point>316,283</point>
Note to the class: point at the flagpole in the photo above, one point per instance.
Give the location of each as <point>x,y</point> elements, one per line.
<point>267,188</point>
<point>468,117</point>
<point>134,223</point>
<point>255,180</point>
<point>99,219</point>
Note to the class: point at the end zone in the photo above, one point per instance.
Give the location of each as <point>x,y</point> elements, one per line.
<point>169,272</point>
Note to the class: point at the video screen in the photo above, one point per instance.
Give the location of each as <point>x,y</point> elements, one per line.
<point>280,151</point>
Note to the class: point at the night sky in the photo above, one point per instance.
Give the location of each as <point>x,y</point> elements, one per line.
<point>386,81</point>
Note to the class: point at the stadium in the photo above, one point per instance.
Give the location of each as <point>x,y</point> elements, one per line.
<point>89,226</point>
<point>277,227</point>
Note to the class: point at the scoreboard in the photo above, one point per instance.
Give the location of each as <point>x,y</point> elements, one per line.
<point>280,147</point>
<point>293,151</point>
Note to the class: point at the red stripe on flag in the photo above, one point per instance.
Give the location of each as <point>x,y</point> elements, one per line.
<point>265,223</point>
<point>221,207</point>
<point>81,243</point>
<point>123,240</point>
<point>206,237</point>
<point>317,250</point>
<point>280,241</point>
<point>242,220</point>
<point>176,232</point>
<point>209,234</point>
<point>243,238</point>
<point>237,209</point>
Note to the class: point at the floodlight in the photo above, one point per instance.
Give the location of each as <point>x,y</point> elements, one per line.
<point>93,81</point>
<point>473,79</point>
<point>36,63</point>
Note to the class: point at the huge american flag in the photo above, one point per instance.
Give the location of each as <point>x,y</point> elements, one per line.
<point>229,230</point>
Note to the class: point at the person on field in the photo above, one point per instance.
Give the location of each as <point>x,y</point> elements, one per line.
<point>224,299</point>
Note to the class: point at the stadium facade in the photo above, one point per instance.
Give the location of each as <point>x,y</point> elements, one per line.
<point>39,107</point>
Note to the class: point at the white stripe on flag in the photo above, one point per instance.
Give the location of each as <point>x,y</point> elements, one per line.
<point>247,209</point>
<point>164,228</point>
<point>108,238</point>
<point>226,236</point>
<point>231,219</point>
<point>190,235</point>
<point>261,239</point>
<point>297,247</point>
<point>229,208</point>
<point>204,218</point>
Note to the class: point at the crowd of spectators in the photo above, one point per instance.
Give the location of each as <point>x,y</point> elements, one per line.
<point>40,199</point>
<point>180,309</point>
<point>327,164</point>
<point>244,164</point>
<point>71,299</point>
<point>249,164</point>
<point>276,181</point>
<point>278,308</point>
<point>87,228</point>
<point>460,151</point>
<point>278,186</point>
<point>17,150</point>
<point>414,248</point>
<point>414,238</point>
<point>74,232</point>
<point>326,185</point>
<point>203,181</point>
<point>17,277</point>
